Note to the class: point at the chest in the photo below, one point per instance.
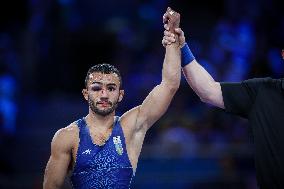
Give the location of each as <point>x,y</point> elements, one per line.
<point>267,119</point>
<point>91,156</point>
<point>269,107</point>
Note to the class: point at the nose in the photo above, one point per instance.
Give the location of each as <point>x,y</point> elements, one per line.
<point>104,93</point>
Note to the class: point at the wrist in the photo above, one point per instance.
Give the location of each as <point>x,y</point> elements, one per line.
<point>182,44</point>
<point>186,55</point>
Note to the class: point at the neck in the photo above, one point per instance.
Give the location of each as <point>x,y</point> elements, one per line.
<point>100,122</point>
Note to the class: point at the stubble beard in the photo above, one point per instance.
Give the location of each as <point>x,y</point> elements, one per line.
<point>105,112</point>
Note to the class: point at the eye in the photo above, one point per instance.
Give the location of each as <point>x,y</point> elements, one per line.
<point>96,88</point>
<point>111,88</point>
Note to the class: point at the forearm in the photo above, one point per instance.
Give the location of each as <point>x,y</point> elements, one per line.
<point>171,72</point>
<point>50,185</point>
<point>52,180</point>
<point>161,96</point>
<point>203,84</point>
<point>56,169</point>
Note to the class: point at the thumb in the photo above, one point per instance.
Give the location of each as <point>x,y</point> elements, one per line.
<point>178,31</point>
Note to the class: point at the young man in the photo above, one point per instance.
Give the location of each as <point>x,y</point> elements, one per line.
<point>261,101</point>
<point>102,150</point>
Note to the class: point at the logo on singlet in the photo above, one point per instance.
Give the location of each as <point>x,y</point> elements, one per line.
<point>118,145</point>
<point>87,151</point>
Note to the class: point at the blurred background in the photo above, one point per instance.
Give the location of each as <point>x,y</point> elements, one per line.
<point>46,48</point>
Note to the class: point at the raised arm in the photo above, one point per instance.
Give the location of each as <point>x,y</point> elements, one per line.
<point>208,90</point>
<point>57,166</point>
<point>158,100</point>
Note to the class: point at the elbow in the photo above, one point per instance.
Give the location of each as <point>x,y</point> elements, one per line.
<point>205,100</point>
<point>208,99</point>
<point>173,89</point>
<point>205,96</point>
<point>210,94</point>
<point>173,86</point>
<point>172,80</point>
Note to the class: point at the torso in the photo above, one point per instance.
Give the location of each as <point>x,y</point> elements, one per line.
<point>261,100</point>
<point>267,121</point>
<point>109,163</point>
<point>133,142</point>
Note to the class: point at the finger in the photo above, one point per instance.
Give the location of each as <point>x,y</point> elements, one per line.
<point>171,12</point>
<point>177,15</point>
<point>165,42</point>
<point>181,33</point>
<point>170,39</point>
<point>167,33</point>
<point>166,17</point>
<point>178,31</point>
<point>166,26</point>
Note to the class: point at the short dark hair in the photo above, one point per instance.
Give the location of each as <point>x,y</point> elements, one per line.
<point>105,69</point>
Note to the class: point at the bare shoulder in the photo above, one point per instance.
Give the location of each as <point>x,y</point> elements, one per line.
<point>66,137</point>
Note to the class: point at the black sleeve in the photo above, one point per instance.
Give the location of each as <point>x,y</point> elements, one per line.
<point>239,97</point>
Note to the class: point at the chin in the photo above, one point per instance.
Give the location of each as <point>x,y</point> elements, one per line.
<point>103,112</point>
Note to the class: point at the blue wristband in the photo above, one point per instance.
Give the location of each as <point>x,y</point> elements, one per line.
<point>186,55</point>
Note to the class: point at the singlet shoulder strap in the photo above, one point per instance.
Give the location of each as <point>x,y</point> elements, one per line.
<point>116,124</point>
<point>116,119</point>
<point>80,123</point>
<point>83,130</point>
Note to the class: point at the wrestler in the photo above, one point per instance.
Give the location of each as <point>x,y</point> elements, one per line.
<point>101,150</point>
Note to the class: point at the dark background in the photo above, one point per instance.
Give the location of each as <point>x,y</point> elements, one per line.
<point>46,48</point>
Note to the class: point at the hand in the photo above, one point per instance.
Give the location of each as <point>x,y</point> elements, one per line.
<point>170,38</point>
<point>172,19</point>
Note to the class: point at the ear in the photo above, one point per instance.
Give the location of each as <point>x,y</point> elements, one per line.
<point>121,94</point>
<point>85,94</point>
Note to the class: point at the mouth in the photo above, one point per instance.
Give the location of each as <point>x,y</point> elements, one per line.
<point>104,104</point>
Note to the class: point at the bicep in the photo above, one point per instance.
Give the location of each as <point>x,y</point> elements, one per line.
<point>216,96</point>
<point>208,90</point>
<point>57,166</point>
<point>155,104</point>
<point>152,108</point>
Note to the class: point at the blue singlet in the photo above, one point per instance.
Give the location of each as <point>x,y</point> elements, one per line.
<point>106,166</point>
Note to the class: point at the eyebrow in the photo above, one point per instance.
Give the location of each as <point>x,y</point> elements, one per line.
<point>100,83</point>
